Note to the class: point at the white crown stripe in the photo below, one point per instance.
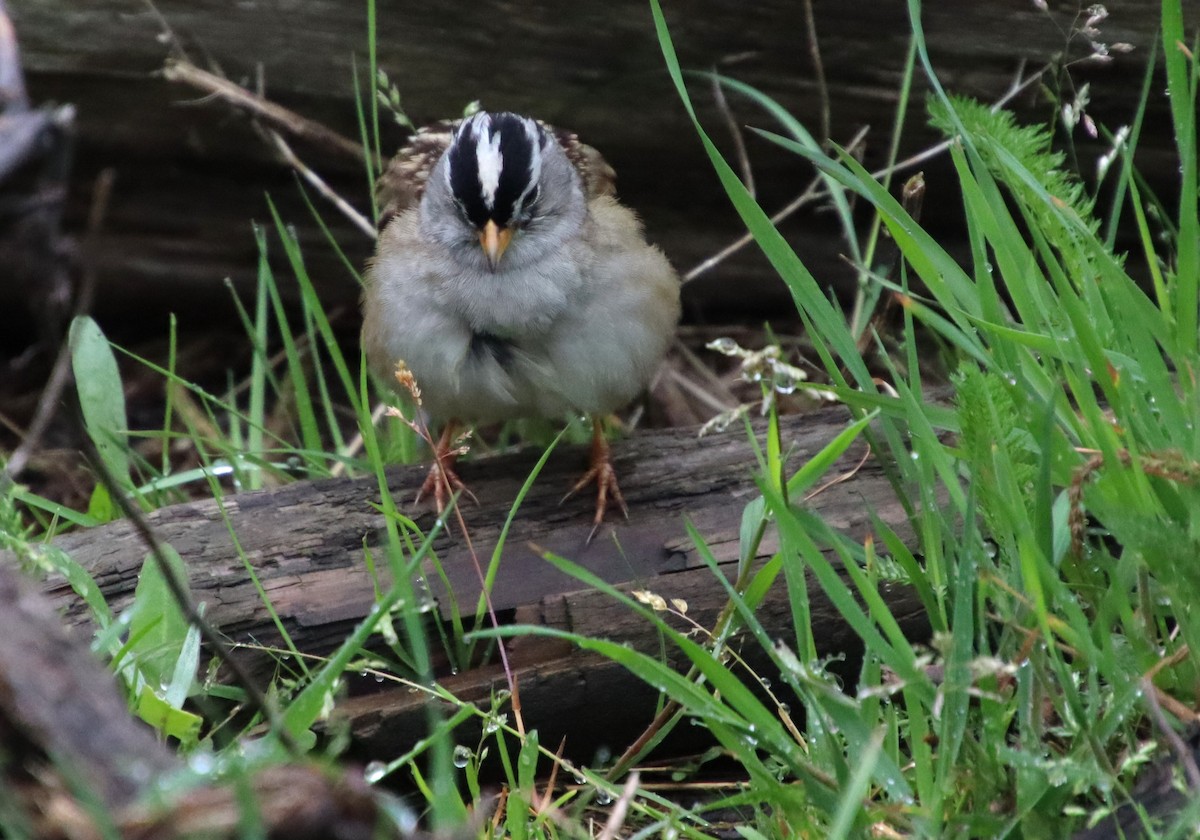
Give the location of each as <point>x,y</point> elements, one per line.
<point>487,153</point>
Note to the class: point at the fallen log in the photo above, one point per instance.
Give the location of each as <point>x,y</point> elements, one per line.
<point>190,179</point>
<point>306,544</point>
<point>74,763</point>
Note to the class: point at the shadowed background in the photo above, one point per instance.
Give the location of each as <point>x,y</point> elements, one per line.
<point>190,175</point>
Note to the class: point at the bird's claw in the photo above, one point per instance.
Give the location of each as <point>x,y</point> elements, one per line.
<point>601,472</point>
<point>442,483</point>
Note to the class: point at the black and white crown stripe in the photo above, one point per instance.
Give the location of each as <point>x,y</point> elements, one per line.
<point>495,163</point>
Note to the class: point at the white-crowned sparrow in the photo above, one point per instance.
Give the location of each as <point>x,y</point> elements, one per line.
<point>512,283</point>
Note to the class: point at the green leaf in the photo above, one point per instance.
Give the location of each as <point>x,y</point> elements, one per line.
<point>101,397</point>
<point>167,719</point>
<point>819,464</point>
<point>158,622</point>
<point>54,508</point>
<point>185,669</point>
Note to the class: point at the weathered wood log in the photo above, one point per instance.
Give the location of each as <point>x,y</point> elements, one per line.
<point>190,179</point>
<point>306,545</point>
<point>72,758</point>
<point>58,702</point>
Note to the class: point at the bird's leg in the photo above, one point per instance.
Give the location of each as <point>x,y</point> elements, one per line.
<point>601,471</point>
<point>442,480</point>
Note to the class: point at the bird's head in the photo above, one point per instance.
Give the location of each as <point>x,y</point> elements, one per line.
<point>510,189</point>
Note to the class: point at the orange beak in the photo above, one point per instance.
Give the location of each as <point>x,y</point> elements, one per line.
<point>494,241</point>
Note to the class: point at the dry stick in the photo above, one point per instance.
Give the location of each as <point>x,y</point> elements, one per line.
<point>260,107</point>
<point>1182,753</point>
<point>167,35</point>
<point>697,392</point>
<point>276,115</point>
<point>60,373</point>
<point>356,443</point>
<point>421,428</point>
<point>616,817</point>
<point>735,131</point>
<point>705,371</point>
<point>514,687</point>
<point>47,404</point>
<point>912,200</point>
<point>814,51</point>
<point>360,221</point>
<point>179,593</point>
<point>813,191</point>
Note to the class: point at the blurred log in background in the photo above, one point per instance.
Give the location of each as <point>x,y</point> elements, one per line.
<point>190,177</point>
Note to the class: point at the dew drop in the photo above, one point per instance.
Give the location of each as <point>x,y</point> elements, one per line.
<point>201,763</point>
<point>462,756</point>
<point>726,346</point>
<point>374,772</point>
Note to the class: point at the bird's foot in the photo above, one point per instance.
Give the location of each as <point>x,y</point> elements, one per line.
<point>601,472</point>
<point>443,482</point>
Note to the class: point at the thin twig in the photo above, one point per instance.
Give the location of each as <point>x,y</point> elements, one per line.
<point>811,193</point>
<point>839,479</point>
<point>355,445</point>
<point>441,456</point>
<point>360,221</point>
<point>693,388</point>
<point>514,688</point>
<point>616,817</point>
<point>167,35</point>
<point>1182,753</point>
<point>735,131</point>
<point>119,494</point>
<point>48,402</point>
<point>815,191</point>
<point>275,115</point>
<point>705,371</point>
<point>814,52</point>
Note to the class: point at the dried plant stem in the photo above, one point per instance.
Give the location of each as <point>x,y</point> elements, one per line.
<point>815,190</point>
<point>283,119</point>
<point>814,51</point>
<point>735,131</point>
<point>811,193</point>
<point>254,695</point>
<point>358,219</point>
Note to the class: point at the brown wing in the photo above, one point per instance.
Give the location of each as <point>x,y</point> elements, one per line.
<point>403,182</point>
<point>598,177</point>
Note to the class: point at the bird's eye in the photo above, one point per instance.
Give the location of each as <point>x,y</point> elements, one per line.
<point>528,221</point>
